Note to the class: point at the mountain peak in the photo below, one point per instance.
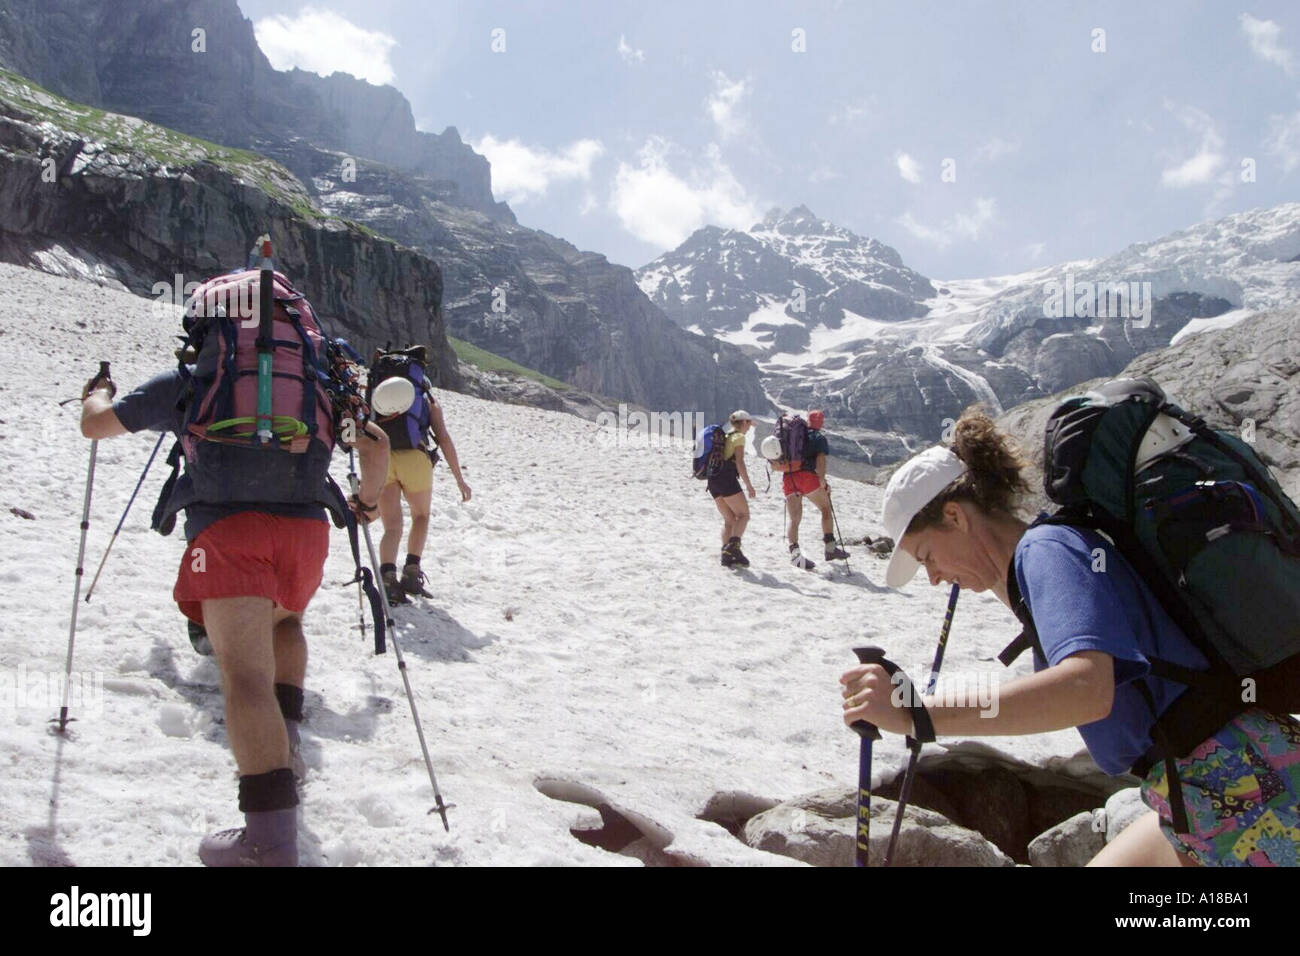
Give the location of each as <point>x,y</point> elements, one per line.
<point>799,215</point>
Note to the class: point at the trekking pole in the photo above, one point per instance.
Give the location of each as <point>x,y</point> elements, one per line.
<point>265,342</point>
<point>915,745</point>
<point>122,520</point>
<point>839,538</point>
<point>869,733</point>
<point>62,719</point>
<point>441,807</point>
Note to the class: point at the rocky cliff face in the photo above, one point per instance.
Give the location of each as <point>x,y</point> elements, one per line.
<point>538,300</point>
<point>137,57</point>
<point>144,204</point>
<point>1249,372</point>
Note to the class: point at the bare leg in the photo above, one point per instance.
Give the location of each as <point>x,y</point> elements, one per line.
<point>1141,844</point>
<point>795,505</point>
<point>728,519</point>
<point>241,633</point>
<point>419,503</point>
<point>823,502</point>
<point>390,513</point>
<point>740,515</point>
<point>290,648</point>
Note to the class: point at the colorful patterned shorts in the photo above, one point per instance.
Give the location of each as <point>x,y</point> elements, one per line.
<point>1242,790</point>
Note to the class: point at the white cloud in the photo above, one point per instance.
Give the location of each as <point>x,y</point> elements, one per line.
<point>961,226</point>
<point>908,168</point>
<point>630,54</point>
<point>1265,37</point>
<point>662,207</point>
<point>521,172</point>
<point>1283,140</point>
<point>1035,250</point>
<point>323,42</point>
<point>724,104</point>
<point>1201,166</point>
<point>995,149</point>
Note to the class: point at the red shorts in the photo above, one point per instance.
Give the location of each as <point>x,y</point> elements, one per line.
<point>800,482</point>
<point>253,554</point>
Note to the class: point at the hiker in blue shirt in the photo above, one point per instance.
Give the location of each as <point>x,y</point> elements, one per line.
<point>1099,625</point>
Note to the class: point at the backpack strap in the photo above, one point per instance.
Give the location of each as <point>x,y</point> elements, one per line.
<point>1163,750</point>
<point>1028,637</point>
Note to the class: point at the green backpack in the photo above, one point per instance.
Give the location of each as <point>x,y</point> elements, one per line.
<point>1208,529</point>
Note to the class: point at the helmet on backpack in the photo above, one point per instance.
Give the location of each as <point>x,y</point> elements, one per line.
<point>407,427</point>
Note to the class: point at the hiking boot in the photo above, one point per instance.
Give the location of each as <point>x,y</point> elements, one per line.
<point>393,588</point>
<point>737,557</point>
<point>199,638</point>
<point>798,560</point>
<point>728,559</point>
<point>268,838</point>
<point>413,581</point>
<point>835,553</point>
<point>296,763</point>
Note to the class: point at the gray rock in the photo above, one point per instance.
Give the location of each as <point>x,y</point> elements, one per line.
<point>1072,842</point>
<point>820,829</point>
<point>1122,808</point>
<point>1240,378</point>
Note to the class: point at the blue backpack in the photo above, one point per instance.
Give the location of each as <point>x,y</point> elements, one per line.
<point>409,429</point>
<point>709,446</point>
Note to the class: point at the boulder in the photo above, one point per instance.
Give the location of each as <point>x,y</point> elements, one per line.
<point>820,829</point>
<point>1072,842</point>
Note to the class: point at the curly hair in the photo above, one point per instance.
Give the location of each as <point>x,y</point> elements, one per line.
<point>994,477</point>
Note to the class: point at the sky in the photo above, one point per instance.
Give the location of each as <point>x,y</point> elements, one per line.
<point>976,138</point>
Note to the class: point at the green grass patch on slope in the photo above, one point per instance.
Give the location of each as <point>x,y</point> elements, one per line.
<point>165,146</point>
<point>491,362</point>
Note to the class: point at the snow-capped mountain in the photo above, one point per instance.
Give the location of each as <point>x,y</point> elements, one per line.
<point>838,321</point>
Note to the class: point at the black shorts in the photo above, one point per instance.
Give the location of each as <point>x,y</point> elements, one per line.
<point>724,484</point>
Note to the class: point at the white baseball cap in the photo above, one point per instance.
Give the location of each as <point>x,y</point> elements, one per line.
<point>911,488</point>
<point>740,415</point>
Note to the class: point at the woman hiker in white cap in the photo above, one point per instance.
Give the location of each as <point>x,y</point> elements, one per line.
<point>953,512</point>
<point>724,486</point>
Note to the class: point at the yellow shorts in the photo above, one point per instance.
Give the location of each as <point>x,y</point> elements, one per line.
<point>411,468</point>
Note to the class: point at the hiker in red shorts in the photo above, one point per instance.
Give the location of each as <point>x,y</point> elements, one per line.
<point>251,566</point>
<point>810,482</point>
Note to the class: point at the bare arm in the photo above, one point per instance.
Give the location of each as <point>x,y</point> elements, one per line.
<point>98,420</point>
<point>1079,690</point>
<point>448,448</point>
<point>372,449</point>
<point>741,470</point>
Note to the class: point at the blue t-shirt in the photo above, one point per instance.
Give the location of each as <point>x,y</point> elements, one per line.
<point>1078,609</point>
<point>157,406</point>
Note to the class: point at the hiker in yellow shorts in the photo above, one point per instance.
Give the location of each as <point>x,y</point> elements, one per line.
<point>416,436</point>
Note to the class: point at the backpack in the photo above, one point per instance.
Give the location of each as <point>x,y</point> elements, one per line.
<point>410,429</point>
<point>1211,533</point>
<point>225,463</point>
<point>709,447</point>
<point>792,433</point>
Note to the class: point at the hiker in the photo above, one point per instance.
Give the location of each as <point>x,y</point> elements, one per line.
<point>250,567</point>
<point>808,480</point>
<point>415,437</point>
<point>1103,632</point>
<point>724,486</point>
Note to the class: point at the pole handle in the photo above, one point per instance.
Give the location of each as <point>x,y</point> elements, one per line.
<point>867,655</point>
